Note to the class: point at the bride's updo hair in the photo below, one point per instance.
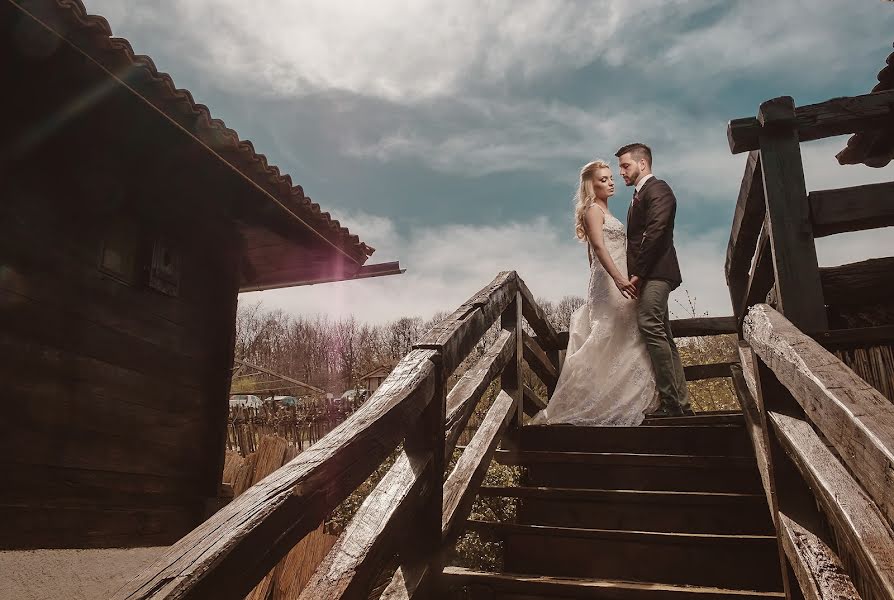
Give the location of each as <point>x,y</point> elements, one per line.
<point>585,195</point>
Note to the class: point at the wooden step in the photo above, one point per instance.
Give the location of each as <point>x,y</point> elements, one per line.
<point>466,584</point>
<point>723,417</point>
<point>720,440</point>
<point>726,561</point>
<point>628,471</point>
<point>681,512</point>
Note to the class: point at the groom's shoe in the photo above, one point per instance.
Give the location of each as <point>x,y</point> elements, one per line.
<point>687,411</point>
<point>667,410</point>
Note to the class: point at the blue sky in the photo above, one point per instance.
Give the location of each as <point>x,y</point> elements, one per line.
<point>449,135</point>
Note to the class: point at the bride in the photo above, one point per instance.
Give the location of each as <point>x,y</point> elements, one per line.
<point>607,377</point>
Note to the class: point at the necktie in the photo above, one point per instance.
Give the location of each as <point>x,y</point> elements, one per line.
<point>635,198</point>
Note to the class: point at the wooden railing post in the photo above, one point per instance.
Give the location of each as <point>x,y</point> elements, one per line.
<point>511,380</point>
<point>789,494</point>
<point>419,550</point>
<point>799,293</point>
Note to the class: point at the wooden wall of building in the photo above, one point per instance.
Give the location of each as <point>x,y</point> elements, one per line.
<point>114,394</point>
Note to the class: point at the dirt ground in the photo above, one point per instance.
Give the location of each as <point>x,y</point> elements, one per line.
<point>70,574</point>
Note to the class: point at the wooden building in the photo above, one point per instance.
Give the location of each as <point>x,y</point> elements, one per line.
<point>372,380</point>
<point>129,221</point>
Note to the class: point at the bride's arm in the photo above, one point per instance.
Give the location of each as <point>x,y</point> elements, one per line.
<point>594,220</point>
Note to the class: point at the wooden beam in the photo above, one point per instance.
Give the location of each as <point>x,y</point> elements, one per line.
<point>747,220</point>
<point>855,338</point>
<point>354,562</point>
<point>710,371</point>
<point>537,319</point>
<point>231,552</point>
<point>456,335</point>
<point>860,527</point>
<point>751,411</point>
<point>851,414</point>
<point>533,402</point>
<point>854,284</point>
<point>798,291</point>
<point>852,209</point>
<point>511,379</point>
<point>283,377</point>
<point>287,279</point>
<point>465,395</point>
<point>462,485</point>
<point>837,116</point>
<point>760,280</point>
<point>816,567</point>
<point>696,327</point>
<point>701,326</point>
<point>539,362</point>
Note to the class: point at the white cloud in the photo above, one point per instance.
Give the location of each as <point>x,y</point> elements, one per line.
<point>407,52</point>
<point>447,264</point>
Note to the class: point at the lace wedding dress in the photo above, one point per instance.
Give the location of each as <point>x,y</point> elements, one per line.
<point>607,377</point>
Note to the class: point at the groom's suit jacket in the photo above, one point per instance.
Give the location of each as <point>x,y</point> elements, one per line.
<point>650,234</point>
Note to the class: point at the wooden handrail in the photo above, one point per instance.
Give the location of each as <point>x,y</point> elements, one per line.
<point>851,209</point>
<point>850,413</point>
<point>837,116</point>
<point>747,219</point>
<point>228,554</point>
<point>792,392</point>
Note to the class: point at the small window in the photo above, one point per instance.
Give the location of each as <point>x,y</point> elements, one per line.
<point>164,275</point>
<point>118,257</point>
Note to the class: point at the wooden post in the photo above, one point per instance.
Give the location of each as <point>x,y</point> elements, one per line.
<point>789,494</point>
<point>420,547</point>
<point>798,288</point>
<point>511,379</point>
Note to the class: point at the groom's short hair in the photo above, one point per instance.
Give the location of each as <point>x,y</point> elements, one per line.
<point>637,151</point>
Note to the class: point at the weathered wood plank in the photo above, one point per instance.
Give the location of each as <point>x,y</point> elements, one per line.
<point>695,327</point>
<point>538,361</point>
<point>464,396</point>
<point>837,116</point>
<point>511,379</point>
<point>462,484</point>
<point>747,219</point>
<point>863,282</point>
<point>710,371</point>
<point>751,410</point>
<point>854,516</point>
<point>860,336</point>
<point>229,553</point>
<point>354,561</point>
<point>700,326</point>
<point>408,583</point>
<point>852,209</point>
<point>760,279</point>
<point>798,291</point>
<point>533,402</point>
<point>537,319</point>
<point>817,568</point>
<point>851,414</point>
<point>456,335</point>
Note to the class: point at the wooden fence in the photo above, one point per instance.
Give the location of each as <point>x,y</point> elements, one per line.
<point>299,426</point>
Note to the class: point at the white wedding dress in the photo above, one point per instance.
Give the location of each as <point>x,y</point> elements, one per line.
<point>607,377</point>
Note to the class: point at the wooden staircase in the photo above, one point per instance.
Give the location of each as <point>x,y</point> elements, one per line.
<point>674,509</point>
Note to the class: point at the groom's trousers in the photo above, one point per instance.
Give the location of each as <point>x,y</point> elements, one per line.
<point>653,318</point>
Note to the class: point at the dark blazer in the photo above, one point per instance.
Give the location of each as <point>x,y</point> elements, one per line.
<point>650,234</point>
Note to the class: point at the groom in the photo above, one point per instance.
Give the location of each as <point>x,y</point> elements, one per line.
<point>652,267</point>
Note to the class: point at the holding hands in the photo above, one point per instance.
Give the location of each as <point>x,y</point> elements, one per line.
<point>627,287</point>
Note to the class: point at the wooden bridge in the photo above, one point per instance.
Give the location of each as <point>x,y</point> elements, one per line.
<point>792,496</point>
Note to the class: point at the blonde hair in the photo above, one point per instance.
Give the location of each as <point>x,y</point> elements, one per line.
<point>585,195</point>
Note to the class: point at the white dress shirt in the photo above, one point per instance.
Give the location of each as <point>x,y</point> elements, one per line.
<point>642,182</point>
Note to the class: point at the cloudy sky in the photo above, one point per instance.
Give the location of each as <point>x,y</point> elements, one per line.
<point>449,135</point>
